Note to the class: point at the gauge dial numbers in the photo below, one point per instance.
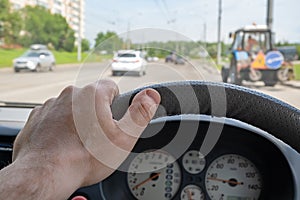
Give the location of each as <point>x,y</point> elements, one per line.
<point>193,162</point>
<point>233,177</point>
<point>154,175</point>
<point>192,192</point>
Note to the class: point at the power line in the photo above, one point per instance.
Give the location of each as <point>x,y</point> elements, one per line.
<point>162,10</point>
<point>166,6</point>
<point>170,20</point>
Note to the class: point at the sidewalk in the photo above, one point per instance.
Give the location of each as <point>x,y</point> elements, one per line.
<point>293,83</point>
<point>296,62</point>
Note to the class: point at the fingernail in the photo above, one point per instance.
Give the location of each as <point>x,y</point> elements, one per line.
<point>153,94</point>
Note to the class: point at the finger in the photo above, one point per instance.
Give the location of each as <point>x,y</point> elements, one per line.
<point>139,113</point>
<point>122,137</point>
<point>106,90</point>
<point>91,108</point>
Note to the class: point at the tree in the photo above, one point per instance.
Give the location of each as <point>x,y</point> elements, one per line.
<point>10,23</point>
<point>42,27</point>
<point>68,41</point>
<point>5,7</point>
<point>108,41</point>
<point>85,45</point>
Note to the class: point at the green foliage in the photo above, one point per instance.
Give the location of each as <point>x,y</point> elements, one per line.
<point>108,41</point>
<point>42,27</point>
<point>190,49</point>
<point>5,6</point>
<point>298,51</point>
<point>297,71</point>
<point>67,57</point>
<point>68,41</point>
<point>85,45</point>
<point>10,23</point>
<point>7,56</point>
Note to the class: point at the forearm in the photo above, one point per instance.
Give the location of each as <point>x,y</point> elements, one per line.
<point>19,181</point>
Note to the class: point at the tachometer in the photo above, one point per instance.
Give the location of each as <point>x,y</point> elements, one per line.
<point>233,177</point>
<point>154,175</point>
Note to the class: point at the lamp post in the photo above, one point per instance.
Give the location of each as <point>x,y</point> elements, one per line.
<point>270,14</point>
<point>79,34</point>
<point>219,33</point>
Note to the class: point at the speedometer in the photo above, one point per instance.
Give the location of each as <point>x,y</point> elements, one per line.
<point>154,175</point>
<point>233,177</point>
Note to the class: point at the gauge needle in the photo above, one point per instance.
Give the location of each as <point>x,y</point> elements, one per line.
<point>226,181</point>
<point>189,194</point>
<point>145,181</point>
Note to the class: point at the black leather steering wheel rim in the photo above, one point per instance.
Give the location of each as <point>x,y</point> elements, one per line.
<point>223,100</point>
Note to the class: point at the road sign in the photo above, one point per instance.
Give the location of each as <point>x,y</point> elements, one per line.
<point>259,61</point>
<point>274,59</point>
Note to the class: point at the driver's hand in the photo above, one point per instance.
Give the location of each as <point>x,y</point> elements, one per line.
<point>73,141</point>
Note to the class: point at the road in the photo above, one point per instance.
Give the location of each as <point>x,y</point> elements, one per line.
<point>38,87</point>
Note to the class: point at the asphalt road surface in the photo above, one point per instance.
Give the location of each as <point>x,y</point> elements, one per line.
<point>38,87</point>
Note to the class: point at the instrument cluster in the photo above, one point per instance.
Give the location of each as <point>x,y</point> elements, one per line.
<point>241,166</point>
<point>244,164</point>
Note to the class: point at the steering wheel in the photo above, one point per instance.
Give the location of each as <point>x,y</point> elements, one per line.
<point>223,100</point>
<point>216,100</point>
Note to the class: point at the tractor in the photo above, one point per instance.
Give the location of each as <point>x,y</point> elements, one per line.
<point>254,57</point>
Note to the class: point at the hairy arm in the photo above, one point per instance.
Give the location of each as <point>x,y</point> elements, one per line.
<point>72,141</point>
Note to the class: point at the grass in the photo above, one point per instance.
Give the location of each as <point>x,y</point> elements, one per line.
<point>7,56</point>
<point>297,71</point>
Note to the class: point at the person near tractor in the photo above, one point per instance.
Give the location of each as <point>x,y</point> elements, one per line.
<point>251,43</point>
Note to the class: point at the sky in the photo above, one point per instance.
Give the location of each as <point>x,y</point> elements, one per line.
<point>190,17</point>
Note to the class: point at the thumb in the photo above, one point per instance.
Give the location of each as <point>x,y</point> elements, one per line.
<point>140,112</point>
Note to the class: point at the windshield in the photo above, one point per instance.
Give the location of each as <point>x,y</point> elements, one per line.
<point>175,41</point>
<point>126,55</point>
<point>31,54</point>
<point>261,39</point>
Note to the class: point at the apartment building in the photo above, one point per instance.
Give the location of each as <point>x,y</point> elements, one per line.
<point>72,10</point>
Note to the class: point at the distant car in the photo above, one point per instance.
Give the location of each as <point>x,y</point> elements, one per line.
<point>179,61</point>
<point>35,59</point>
<point>289,53</point>
<point>173,58</point>
<point>128,61</point>
<point>170,58</point>
<point>152,59</point>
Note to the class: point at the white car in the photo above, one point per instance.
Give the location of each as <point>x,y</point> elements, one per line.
<point>128,61</point>
<point>35,60</point>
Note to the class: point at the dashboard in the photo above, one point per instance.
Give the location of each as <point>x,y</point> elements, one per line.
<point>242,165</point>
<point>167,163</point>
